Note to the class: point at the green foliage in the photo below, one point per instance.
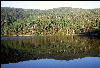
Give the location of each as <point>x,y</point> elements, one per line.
<point>64,20</point>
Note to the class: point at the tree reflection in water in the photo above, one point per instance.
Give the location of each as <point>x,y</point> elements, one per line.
<point>54,47</point>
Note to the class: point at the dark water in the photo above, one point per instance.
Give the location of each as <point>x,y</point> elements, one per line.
<point>50,52</point>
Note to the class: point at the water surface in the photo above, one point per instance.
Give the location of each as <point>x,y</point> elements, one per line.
<point>50,52</point>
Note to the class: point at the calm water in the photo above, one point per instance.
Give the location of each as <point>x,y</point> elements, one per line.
<point>50,52</point>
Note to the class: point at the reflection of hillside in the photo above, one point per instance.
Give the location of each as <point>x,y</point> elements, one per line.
<point>59,48</point>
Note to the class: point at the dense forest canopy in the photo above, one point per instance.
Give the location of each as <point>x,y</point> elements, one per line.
<point>62,20</point>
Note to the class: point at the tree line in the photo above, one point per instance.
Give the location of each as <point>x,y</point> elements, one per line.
<point>62,20</point>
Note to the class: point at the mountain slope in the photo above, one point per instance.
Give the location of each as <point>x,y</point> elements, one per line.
<point>63,20</point>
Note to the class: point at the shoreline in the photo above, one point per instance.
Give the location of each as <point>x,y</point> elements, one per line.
<point>48,35</point>
<point>22,35</point>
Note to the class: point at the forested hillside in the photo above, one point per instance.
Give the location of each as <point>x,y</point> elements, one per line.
<point>62,21</point>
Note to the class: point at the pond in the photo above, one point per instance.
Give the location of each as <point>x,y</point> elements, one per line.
<point>50,52</point>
